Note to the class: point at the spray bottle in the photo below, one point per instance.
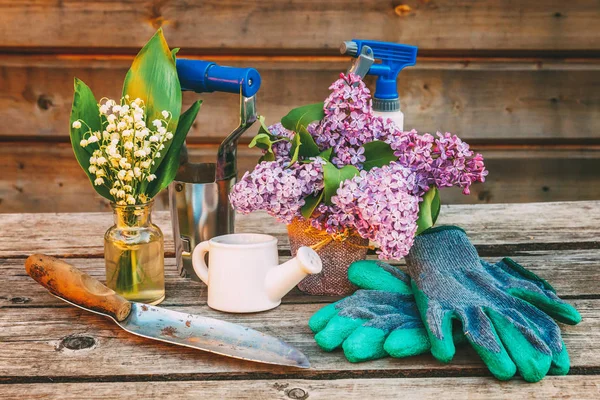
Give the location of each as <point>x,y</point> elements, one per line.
<point>393,58</point>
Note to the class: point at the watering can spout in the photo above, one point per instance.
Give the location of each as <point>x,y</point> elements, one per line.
<point>282,278</point>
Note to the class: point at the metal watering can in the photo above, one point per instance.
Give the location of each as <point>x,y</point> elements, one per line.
<point>199,195</point>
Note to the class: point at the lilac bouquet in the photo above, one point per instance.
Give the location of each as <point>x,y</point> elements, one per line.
<point>344,169</point>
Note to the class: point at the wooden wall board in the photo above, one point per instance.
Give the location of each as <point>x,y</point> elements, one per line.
<point>38,177</point>
<point>490,100</point>
<point>300,25</point>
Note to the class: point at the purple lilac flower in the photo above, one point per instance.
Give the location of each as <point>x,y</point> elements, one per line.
<point>347,124</point>
<point>443,162</point>
<point>281,148</point>
<point>277,188</point>
<point>380,206</point>
<point>455,164</point>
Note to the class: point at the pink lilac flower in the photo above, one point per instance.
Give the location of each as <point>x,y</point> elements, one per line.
<point>456,165</point>
<point>347,124</point>
<point>380,206</point>
<point>282,147</point>
<point>442,162</point>
<point>277,188</point>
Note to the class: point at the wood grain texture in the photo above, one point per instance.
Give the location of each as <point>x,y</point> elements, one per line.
<point>302,25</point>
<point>574,274</point>
<point>47,178</point>
<point>477,99</point>
<point>479,388</point>
<point>45,341</point>
<point>31,349</point>
<point>494,228</point>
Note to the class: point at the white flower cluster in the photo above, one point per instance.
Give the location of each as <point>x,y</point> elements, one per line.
<point>126,149</point>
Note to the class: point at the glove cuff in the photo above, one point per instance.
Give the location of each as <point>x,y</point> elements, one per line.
<point>436,229</point>
<point>441,248</point>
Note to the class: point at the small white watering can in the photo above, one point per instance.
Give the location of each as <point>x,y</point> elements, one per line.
<point>243,274</point>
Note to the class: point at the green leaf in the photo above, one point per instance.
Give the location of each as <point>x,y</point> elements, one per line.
<point>267,157</point>
<point>263,126</point>
<point>333,177</point>
<point>297,121</point>
<point>168,168</point>
<point>174,54</point>
<point>326,154</point>
<point>153,78</point>
<point>436,206</point>
<point>309,148</point>
<point>429,209</point>
<point>262,141</point>
<point>295,150</point>
<point>85,108</point>
<point>304,145</point>
<point>310,203</point>
<point>377,154</point>
<point>303,116</point>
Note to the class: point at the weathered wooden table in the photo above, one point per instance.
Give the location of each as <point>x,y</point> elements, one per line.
<point>50,349</point>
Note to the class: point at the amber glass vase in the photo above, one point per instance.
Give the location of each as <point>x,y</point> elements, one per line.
<point>134,255</point>
<point>337,253</point>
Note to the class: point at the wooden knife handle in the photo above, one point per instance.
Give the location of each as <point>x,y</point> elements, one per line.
<point>66,281</point>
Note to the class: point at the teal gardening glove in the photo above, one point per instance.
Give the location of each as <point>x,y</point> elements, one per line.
<point>505,310</point>
<point>376,322</point>
<point>345,323</point>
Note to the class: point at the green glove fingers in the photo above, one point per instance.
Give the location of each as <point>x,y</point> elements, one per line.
<point>533,362</point>
<point>362,322</point>
<point>555,308</point>
<point>407,342</point>
<point>560,362</point>
<point>505,311</point>
<point>364,344</point>
<point>321,318</point>
<point>483,337</point>
<point>377,275</point>
<point>336,332</point>
<point>529,287</point>
<point>439,330</point>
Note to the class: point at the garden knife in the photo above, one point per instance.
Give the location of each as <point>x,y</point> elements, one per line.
<point>79,289</point>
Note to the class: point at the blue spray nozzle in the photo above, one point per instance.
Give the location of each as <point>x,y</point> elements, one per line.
<point>393,56</point>
<point>206,76</point>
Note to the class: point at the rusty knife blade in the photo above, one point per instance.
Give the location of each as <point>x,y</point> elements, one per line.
<point>208,334</point>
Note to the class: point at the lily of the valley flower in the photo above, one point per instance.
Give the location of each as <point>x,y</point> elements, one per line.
<point>125,149</point>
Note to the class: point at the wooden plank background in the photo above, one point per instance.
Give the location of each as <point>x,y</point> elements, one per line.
<point>520,80</point>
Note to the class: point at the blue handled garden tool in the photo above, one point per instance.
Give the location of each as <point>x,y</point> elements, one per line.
<point>392,57</point>
<point>199,195</point>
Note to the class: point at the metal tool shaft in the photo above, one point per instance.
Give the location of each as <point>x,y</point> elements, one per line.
<point>199,196</point>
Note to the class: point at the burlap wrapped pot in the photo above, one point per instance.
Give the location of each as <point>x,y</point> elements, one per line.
<point>336,252</point>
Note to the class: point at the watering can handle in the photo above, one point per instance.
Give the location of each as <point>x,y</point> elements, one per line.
<point>206,76</point>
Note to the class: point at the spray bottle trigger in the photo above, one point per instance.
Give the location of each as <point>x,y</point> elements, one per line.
<point>363,62</point>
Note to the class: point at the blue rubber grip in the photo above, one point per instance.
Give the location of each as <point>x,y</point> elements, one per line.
<point>206,76</point>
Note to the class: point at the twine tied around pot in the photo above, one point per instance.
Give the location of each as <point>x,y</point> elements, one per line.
<point>337,252</point>
<point>329,237</point>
